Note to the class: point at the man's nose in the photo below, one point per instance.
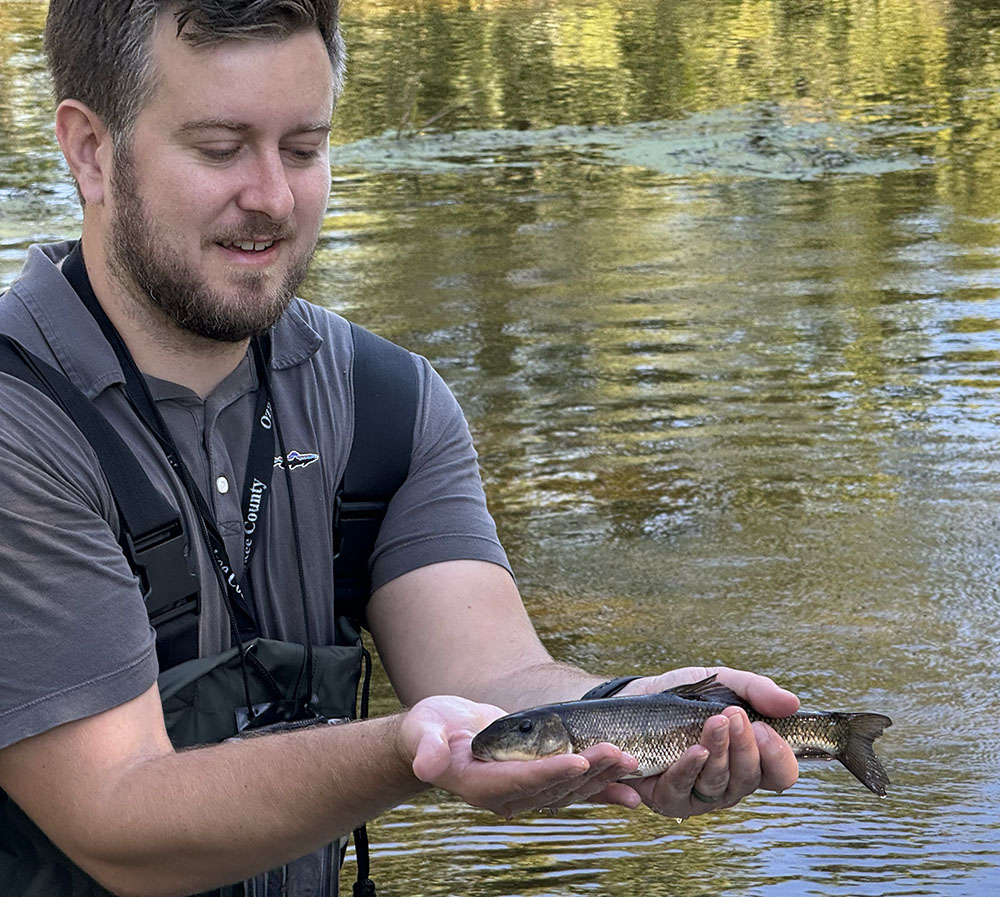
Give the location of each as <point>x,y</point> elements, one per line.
<point>267,189</point>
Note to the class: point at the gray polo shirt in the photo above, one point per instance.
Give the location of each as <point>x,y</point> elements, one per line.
<point>74,635</point>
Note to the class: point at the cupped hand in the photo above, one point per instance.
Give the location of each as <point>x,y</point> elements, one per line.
<point>733,757</point>
<point>436,738</point>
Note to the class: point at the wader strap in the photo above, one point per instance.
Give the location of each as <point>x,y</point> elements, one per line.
<point>609,688</point>
<point>385,410</point>
<point>152,536</point>
<point>233,582</point>
<point>363,885</point>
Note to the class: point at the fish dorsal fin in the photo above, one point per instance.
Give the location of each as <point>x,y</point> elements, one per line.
<point>708,690</point>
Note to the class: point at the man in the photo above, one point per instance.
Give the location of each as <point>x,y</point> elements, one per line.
<point>197,134</point>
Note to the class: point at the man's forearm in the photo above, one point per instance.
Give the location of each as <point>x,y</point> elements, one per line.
<point>185,822</point>
<point>494,653</point>
<point>540,683</point>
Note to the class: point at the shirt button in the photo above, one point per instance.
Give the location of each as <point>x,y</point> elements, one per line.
<point>222,484</point>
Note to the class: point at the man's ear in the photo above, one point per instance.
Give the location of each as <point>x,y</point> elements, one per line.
<point>86,144</point>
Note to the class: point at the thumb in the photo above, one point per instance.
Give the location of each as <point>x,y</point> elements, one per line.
<point>432,756</point>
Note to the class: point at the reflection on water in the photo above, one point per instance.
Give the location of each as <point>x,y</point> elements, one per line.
<point>719,288</point>
<point>450,851</point>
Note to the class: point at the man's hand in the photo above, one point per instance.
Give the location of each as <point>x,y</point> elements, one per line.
<point>436,735</point>
<point>734,757</point>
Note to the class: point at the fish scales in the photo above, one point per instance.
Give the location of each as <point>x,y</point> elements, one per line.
<point>657,729</point>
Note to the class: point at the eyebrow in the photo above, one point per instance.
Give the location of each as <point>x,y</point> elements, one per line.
<point>237,127</point>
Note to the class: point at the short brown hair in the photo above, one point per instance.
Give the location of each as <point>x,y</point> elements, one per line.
<point>99,50</point>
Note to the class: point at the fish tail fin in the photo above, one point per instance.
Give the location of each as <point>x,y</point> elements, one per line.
<point>858,754</point>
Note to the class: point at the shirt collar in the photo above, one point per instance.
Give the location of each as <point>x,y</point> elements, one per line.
<point>71,333</point>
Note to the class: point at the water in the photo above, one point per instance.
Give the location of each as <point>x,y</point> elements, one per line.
<point>719,288</point>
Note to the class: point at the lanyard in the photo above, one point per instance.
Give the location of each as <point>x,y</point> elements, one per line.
<point>235,583</point>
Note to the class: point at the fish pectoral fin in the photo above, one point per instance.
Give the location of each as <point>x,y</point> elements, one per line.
<point>708,690</point>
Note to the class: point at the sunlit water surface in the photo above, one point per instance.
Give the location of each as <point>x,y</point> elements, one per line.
<point>718,287</point>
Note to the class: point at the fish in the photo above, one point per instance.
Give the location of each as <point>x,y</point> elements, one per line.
<point>658,728</point>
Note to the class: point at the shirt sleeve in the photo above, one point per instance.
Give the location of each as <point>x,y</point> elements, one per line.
<point>439,513</point>
<point>75,639</point>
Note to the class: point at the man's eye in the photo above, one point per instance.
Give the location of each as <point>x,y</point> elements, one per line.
<point>218,153</point>
<point>302,154</point>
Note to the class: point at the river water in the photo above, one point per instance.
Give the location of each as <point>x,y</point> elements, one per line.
<point>718,285</point>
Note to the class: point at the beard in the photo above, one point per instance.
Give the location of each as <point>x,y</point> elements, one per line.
<point>139,255</point>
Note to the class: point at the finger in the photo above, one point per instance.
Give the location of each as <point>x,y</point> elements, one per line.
<point>764,694</point>
<point>669,793</point>
<point>744,758</point>
<point>552,797</point>
<point>606,774</point>
<point>712,782</point>
<point>515,786</point>
<point>608,764</point>
<point>778,766</point>
<point>432,756</point>
<point>605,758</point>
<point>618,794</point>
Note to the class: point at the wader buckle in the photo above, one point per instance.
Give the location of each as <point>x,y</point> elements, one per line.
<point>159,558</point>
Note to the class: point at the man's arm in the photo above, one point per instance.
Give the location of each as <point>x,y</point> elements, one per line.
<point>110,791</point>
<point>461,627</point>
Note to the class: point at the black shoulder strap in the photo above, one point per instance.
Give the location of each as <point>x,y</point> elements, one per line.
<point>385,410</point>
<point>152,535</point>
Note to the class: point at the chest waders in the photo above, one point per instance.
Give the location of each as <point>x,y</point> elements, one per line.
<point>260,684</point>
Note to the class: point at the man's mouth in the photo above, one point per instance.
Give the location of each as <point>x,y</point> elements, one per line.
<point>249,245</point>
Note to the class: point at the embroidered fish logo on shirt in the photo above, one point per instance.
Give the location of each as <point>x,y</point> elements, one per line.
<point>295,459</point>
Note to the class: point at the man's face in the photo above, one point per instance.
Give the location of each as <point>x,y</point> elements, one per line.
<point>218,200</point>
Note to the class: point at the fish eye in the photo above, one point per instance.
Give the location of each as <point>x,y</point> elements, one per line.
<point>526,725</point>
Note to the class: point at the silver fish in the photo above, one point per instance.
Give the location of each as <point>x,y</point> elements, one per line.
<point>657,729</point>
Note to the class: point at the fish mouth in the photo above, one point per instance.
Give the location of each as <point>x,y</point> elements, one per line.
<point>480,752</point>
<point>501,753</point>
<point>483,750</point>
